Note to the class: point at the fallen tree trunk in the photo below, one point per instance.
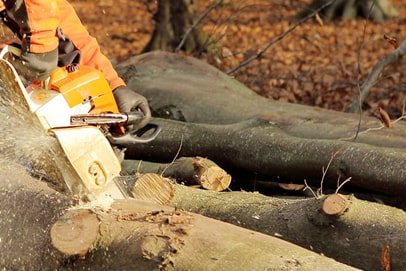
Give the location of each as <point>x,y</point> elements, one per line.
<point>129,235</point>
<point>186,89</point>
<point>262,147</point>
<point>36,221</point>
<point>355,236</point>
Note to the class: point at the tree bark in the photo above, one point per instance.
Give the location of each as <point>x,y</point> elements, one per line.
<point>128,235</point>
<point>355,236</point>
<point>293,143</point>
<point>262,147</point>
<point>29,208</point>
<point>172,20</point>
<point>186,89</point>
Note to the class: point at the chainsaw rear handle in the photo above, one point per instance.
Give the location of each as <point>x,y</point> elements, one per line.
<point>144,135</point>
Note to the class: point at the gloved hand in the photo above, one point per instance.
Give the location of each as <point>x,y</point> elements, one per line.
<point>128,100</point>
<point>35,66</point>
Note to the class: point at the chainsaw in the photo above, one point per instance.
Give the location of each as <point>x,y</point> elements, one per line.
<point>76,105</point>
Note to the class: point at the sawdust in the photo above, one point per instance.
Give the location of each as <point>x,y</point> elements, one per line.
<point>22,141</point>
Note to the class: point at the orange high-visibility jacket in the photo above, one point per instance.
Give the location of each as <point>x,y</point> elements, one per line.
<point>48,25</point>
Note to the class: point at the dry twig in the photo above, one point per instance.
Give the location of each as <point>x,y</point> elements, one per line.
<point>196,23</point>
<point>374,75</point>
<point>280,37</point>
<point>319,192</point>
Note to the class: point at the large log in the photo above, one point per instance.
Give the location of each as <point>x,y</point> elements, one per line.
<point>187,89</point>
<point>296,147</point>
<point>356,236</point>
<point>259,146</point>
<point>41,201</point>
<point>128,235</point>
<point>28,208</point>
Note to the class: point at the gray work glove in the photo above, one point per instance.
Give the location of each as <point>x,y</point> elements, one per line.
<point>128,100</point>
<point>35,66</point>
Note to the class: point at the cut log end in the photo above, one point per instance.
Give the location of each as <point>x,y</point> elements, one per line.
<point>334,204</point>
<point>215,179</point>
<point>153,187</point>
<point>210,175</point>
<point>75,233</point>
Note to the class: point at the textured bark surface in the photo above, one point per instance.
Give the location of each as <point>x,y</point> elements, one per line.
<point>135,235</point>
<point>219,118</point>
<point>172,21</point>
<point>262,147</point>
<point>130,235</point>
<point>186,89</point>
<point>356,237</point>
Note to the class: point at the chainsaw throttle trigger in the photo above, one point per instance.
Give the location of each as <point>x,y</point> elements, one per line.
<point>144,135</point>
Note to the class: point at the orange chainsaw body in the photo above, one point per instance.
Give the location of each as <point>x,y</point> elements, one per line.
<point>79,84</point>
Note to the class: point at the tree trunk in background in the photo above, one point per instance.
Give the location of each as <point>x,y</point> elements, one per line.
<point>172,20</point>
<point>378,10</point>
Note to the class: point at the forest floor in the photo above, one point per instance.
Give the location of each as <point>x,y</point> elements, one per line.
<point>316,64</point>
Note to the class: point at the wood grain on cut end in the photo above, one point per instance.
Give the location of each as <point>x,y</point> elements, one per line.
<point>210,175</point>
<point>334,204</point>
<point>153,187</point>
<point>76,232</point>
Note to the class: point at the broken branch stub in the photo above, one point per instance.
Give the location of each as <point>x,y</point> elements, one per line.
<point>334,204</point>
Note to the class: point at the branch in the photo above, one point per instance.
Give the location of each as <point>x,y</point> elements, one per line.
<point>280,37</point>
<point>374,74</point>
<point>195,24</point>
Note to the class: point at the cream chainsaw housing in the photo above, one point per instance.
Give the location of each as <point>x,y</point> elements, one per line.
<point>71,91</point>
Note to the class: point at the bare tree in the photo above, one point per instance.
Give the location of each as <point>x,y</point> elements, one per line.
<point>175,24</point>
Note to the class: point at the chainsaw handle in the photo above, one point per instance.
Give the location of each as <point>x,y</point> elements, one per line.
<point>151,130</point>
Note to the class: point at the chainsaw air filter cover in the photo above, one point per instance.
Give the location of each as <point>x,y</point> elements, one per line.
<point>82,84</point>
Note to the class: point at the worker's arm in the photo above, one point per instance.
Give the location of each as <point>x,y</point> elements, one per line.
<point>37,22</point>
